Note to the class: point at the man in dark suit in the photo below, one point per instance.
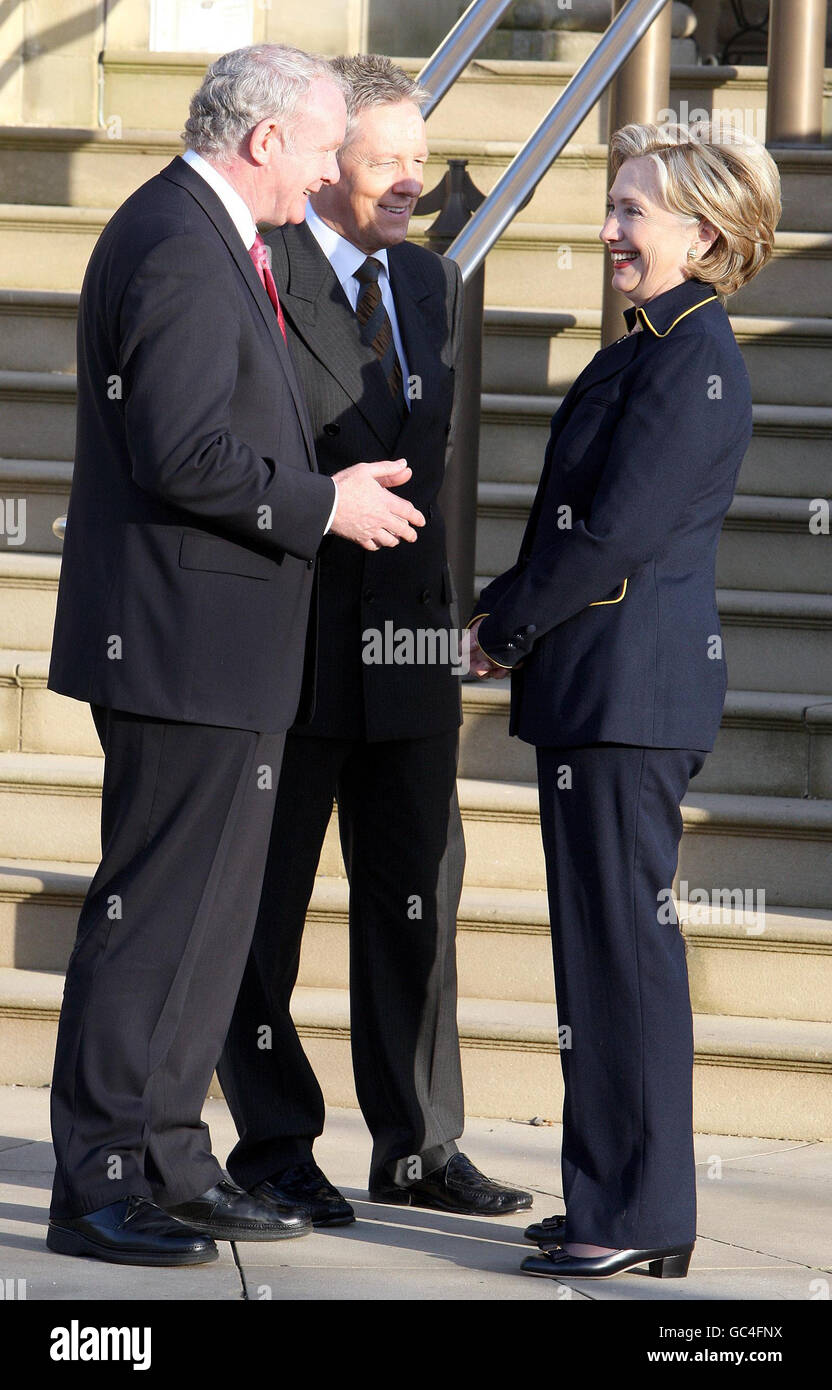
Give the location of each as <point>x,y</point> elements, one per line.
<point>375,331</point>
<point>195,517</point>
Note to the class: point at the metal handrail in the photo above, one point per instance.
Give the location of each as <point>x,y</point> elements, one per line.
<point>458,48</point>
<point>522,176</point>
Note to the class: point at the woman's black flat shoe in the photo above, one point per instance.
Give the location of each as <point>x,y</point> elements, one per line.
<point>550,1231</point>
<point>557,1264</point>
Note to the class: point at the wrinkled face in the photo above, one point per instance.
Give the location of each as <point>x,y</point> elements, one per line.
<point>290,170</point>
<point>647,242</point>
<point>382,173</point>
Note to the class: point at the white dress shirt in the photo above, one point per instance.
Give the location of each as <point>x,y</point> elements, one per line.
<point>345,260</point>
<point>240,214</point>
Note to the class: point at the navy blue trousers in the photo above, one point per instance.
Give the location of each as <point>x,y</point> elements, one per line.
<point>611,827</point>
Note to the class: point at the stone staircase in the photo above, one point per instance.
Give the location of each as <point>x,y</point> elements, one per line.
<point>757,820</point>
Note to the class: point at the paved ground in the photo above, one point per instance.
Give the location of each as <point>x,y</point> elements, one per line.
<point>765,1226</point>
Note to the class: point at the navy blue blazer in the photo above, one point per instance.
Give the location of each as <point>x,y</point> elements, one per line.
<point>611,606</point>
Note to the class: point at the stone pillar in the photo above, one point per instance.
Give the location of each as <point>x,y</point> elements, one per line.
<point>128,25</point>
<point>796,45</point>
<point>566,31</point>
<point>12,39</point>
<point>57,62</point>
<point>639,92</point>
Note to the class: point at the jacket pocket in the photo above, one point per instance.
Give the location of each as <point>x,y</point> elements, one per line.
<point>222,557</point>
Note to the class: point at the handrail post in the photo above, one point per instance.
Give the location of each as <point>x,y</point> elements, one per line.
<point>458,48</point>
<point>796,52</point>
<point>456,197</point>
<point>638,93</point>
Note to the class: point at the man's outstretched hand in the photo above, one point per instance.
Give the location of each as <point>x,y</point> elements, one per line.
<point>367,512</point>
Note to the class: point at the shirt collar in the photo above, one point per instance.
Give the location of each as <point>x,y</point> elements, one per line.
<point>341,254</point>
<point>662,314</point>
<point>237,209</point>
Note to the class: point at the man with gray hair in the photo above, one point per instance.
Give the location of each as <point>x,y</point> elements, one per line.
<point>195,517</point>
<point>375,328</point>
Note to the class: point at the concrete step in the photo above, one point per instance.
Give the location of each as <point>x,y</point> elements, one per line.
<point>752,1076</point>
<point>563,264</point>
<point>28,594</point>
<point>499,99</point>
<point>781,845</point>
<point>502,99</point>
<point>95,168</point>
<point>44,486</point>
<point>790,454</point>
<point>768,963</point>
<point>38,415</point>
<point>47,248</point>
<point>770,743</point>
<point>81,167</point>
<point>36,720</point>
<point>37,330</point>
<point>780,639</point>
<point>551,263</point>
<point>772,639</point>
<point>527,352</point>
<point>50,806</point>
<point>575,186</point>
<point>766,542</point>
<point>538,352</point>
<point>755,1076</point>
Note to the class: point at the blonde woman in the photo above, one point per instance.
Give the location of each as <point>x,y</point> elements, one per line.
<point>608,621</point>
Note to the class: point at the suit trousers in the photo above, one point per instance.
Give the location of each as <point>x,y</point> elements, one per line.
<point>162,941</point>
<point>611,824</point>
<point>401,836</point>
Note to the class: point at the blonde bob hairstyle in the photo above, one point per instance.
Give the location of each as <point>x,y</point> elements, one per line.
<point>714,171</point>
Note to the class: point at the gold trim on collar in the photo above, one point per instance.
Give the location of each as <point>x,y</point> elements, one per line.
<point>601,602</point>
<point>712,299</point>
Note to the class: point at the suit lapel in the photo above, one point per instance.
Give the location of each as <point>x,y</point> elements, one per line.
<point>181,173</point>
<point>606,363</point>
<point>313,299</point>
<point>422,325</point>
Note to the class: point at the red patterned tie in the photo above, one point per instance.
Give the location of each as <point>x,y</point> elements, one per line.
<point>259,253</point>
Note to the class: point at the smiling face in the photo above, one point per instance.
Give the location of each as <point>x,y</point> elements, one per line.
<point>647,242</point>
<point>382,173</point>
<point>285,170</point>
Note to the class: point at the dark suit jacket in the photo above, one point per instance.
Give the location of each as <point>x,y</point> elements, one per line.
<point>611,605</point>
<point>354,419</point>
<point>196,510</point>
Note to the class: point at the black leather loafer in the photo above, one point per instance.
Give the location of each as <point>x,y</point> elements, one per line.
<point>305,1184</point>
<point>459,1187</point>
<point>228,1212</point>
<point>550,1231</point>
<point>662,1264</point>
<point>132,1231</point>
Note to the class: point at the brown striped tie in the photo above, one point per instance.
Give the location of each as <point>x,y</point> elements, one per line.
<point>376,328</point>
